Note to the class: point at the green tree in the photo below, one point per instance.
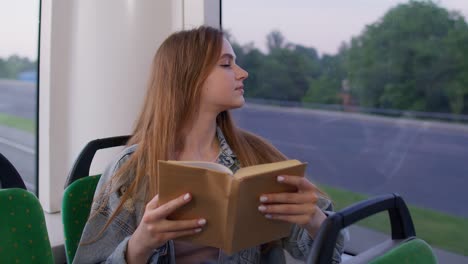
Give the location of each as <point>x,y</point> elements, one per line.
<point>283,73</point>
<point>275,40</point>
<point>4,70</point>
<point>13,65</point>
<point>457,90</point>
<point>251,59</point>
<point>413,58</point>
<point>325,89</point>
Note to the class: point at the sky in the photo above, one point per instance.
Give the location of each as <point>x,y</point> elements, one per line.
<point>314,23</point>
<point>323,25</point>
<point>19,26</point>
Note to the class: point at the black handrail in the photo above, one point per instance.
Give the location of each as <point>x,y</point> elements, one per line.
<point>83,162</point>
<point>400,220</point>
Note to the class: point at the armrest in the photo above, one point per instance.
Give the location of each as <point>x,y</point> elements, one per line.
<point>400,220</point>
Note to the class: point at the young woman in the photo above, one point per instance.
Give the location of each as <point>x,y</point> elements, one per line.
<point>194,83</point>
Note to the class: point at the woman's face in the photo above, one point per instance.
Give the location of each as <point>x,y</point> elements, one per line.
<point>223,89</point>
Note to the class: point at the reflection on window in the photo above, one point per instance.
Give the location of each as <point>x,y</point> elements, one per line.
<point>19,24</point>
<point>373,95</point>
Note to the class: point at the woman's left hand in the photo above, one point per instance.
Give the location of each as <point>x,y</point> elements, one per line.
<point>298,208</point>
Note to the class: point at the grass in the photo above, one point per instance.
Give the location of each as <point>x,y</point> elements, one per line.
<point>24,124</point>
<point>438,229</point>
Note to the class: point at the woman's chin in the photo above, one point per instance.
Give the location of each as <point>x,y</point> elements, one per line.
<point>239,103</point>
<point>233,104</point>
<point>236,104</point>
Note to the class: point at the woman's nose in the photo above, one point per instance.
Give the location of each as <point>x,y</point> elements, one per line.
<point>242,74</point>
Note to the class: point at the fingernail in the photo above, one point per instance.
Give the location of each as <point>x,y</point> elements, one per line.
<point>263,199</point>
<point>198,230</point>
<point>262,208</point>
<point>201,221</point>
<point>280,178</point>
<point>268,216</point>
<point>187,196</point>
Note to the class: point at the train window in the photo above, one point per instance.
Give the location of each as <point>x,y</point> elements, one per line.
<point>19,25</point>
<point>372,94</point>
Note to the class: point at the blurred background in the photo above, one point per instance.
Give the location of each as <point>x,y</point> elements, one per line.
<point>373,94</point>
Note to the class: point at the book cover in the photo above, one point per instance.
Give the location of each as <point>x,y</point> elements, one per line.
<point>228,200</point>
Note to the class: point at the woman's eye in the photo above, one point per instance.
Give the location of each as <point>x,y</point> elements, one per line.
<point>225,65</point>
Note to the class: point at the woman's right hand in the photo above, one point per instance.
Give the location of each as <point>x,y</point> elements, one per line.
<point>155,229</point>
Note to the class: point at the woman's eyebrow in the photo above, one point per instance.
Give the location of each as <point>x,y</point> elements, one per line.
<point>227,55</point>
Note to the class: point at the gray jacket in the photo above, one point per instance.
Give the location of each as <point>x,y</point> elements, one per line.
<point>110,247</point>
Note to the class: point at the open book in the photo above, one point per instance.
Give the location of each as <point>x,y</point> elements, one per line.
<point>228,201</point>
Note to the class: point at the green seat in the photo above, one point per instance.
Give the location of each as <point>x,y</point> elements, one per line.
<point>76,205</point>
<point>79,192</point>
<point>403,247</point>
<point>23,231</point>
<point>411,251</point>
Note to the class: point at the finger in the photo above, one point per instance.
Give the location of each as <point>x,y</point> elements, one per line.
<point>287,209</point>
<point>166,209</point>
<point>182,225</point>
<point>300,182</point>
<point>294,219</point>
<point>289,198</point>
<point>177,234</point>
<point>153,204</point>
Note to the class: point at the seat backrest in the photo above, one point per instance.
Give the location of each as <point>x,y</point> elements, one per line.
<point>79,192</point>
<point>410,250</point>
<point>413,251</point>
<point>402,247</point>
<point>9,176</point>
<point>23,231</point>
<point>83,163</point>
<point>76,206</point>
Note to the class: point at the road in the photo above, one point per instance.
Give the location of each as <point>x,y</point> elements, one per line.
<point>18,98</point>
<point>426,162</point>
<point>19,148</point>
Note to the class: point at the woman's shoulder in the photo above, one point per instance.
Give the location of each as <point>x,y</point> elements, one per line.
<point>126,152</point>
<point>117,163</point>
<point>123,156</point>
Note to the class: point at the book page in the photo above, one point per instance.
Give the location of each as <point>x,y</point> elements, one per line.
<point>204,164</point>
<point>250,227</point>
<point>209,191</point>
<point>263,168</point>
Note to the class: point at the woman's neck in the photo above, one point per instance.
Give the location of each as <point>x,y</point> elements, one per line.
<point>200,141</point>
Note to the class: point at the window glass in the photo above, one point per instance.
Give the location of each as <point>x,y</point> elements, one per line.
<point>372,94</point>
<point>19,25</point>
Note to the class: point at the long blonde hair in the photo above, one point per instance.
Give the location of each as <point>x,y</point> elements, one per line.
<point>180,67</point>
